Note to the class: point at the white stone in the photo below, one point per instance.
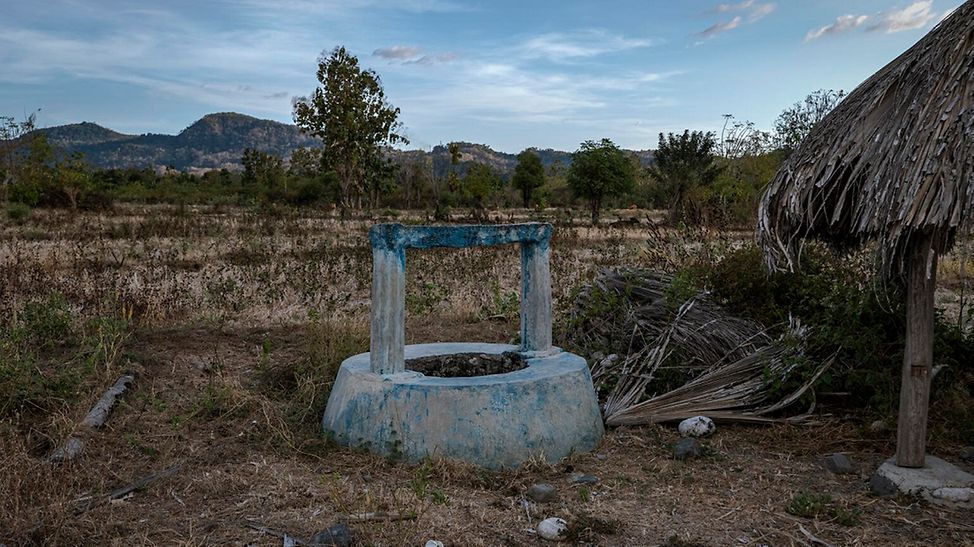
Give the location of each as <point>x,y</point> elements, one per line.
<point>956,495</point>
<point>553,529</point>
<point>698,426</point>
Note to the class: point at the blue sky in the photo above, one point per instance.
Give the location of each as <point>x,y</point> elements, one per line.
<point>504,73</point>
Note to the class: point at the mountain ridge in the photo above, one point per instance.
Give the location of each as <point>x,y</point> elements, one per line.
<point>217,141</point>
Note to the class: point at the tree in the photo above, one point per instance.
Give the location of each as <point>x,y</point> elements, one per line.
<point>528,175</point>
<point>13,147</point>
<point>479,185</point>
<point>348,111</point>
<point>685,166</point>
<point>794,123</point>
<point>73,178</point>
<point>600,170</point>
<point>262,169</point>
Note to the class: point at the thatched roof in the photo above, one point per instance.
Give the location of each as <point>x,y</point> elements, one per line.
<point>894,159</point>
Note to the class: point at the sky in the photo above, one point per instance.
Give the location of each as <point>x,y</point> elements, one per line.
<point>509,74</point>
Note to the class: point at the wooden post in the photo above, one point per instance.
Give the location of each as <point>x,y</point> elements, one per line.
<point>921,276</point>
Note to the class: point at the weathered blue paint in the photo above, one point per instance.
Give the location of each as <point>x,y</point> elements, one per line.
<point>548,409</point>
<point>389,244</point>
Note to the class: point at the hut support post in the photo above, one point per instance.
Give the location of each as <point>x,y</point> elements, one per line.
<point>911,435</point>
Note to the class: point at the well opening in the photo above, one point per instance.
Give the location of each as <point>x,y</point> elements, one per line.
<point>466,365</point>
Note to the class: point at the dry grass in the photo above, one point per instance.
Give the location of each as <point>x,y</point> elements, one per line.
<point>230,386</point>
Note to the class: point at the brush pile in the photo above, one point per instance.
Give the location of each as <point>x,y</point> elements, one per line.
<point>674,353</point>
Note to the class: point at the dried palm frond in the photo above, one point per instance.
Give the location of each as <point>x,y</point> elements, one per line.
<point>730,365</point>
<point>893,160</point>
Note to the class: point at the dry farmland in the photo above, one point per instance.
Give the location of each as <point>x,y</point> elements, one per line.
<point>234,321</point>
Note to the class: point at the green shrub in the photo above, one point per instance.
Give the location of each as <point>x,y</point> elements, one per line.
<point>856,319</point>
<point>18,212</point>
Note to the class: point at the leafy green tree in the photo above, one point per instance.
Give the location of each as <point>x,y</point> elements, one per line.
<point>262,169</point>
<point>794,123</point>
<point>348,111</point>
<point>600,170</point>
<point>73,178</point>
<point>528,175</point>
<point>686,167</point>
<point>479,185</point>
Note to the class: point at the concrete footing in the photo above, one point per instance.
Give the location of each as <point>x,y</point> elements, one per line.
<point>937,481</point>
<point>548,409</point>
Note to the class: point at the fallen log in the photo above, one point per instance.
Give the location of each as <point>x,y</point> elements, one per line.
<point>74,445</point>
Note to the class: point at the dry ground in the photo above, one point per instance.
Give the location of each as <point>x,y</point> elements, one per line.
<point>220,303</point>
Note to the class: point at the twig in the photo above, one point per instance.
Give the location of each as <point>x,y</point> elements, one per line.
<point>378,516</point>
<point>811,537</point>
<point>139,484</point>
<point>272,532</point>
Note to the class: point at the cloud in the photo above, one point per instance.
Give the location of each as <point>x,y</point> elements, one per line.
<point>557,46</point>
<point>718,28</point>
<point>400,53</point>
<point>751,10</point>
<point>842,24</point>
<point>914,16</point>
<point>411,55</point>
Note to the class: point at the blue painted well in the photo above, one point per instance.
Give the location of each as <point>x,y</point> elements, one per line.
<point>548,409</point>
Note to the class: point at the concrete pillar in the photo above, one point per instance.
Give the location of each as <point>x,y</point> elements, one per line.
<point>535,296</point>
<point>388,338</point>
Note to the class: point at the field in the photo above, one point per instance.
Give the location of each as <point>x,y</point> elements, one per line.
<point>234,321</point>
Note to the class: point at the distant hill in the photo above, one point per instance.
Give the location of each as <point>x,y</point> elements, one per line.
<point>217,141</point>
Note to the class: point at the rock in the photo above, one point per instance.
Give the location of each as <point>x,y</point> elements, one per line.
<point>434,543</point>
<point>698,426</point>
<point>840,464</point>
<point>337,536</point>
<point>688,448</point>
<point>967,454</point>
<point>542,493</point>
<point>955,495</point>
<point>553,529</point>
<point>882,486</point>
<point>582,478</point>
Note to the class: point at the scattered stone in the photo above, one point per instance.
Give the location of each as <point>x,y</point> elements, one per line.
<point>923,481</point>
<point>688,448</point>
<point>600,457</point>
<point>339,535</point>
<point>434,543</point>
<point>881,486</point>
<point>840,464</point>
<point>542,493</point>
<point>967,454</point>
<point>582,478</point>
<point>553,529</point>
<point>954,495</point>
<point>698,426</point>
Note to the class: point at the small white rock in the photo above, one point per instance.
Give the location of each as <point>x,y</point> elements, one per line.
<point>956,495</point>
<point>434,543</point>
<point>698,426</point>
<point>553,529</point>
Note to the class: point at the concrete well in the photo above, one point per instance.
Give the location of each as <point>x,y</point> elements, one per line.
<point>547,409</point>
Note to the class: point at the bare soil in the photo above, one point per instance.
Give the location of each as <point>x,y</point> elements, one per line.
<point>233,474</point>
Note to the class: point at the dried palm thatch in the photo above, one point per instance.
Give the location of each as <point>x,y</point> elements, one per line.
<point>894,160</point>
<point>726,366</point>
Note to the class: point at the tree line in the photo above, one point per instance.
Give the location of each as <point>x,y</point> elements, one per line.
<point>699,177</point>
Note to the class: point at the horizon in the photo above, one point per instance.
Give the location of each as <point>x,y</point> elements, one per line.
<point>458,70</point>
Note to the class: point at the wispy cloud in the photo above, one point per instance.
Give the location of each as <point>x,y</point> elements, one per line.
<point>916,15</point>
<point>842,24</point>
<point>398,53</point>
<point>750,11</point>
<point>412,55</point>
<point>559,46</point>
<point>718,28</point>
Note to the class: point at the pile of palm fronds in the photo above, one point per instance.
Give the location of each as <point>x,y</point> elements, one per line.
<point>675,353</point>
